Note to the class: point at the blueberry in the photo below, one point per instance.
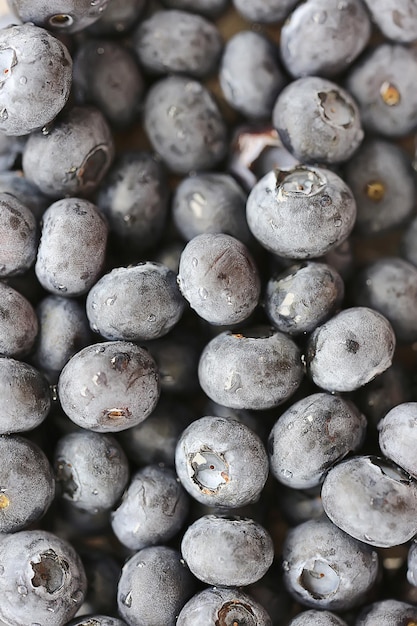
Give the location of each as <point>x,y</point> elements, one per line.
<point>258,368</point>
<point>351,349</point>
<point>184,125</point>
<point>66,265</point>
<point>303,296</point>
<point>219,278</point>
<point>118,17</point>
<point>396,19</point>
<point>19,236</point>
<point>43,579</point>
<point>324,568</point>
<point>63,331</point>
<point>14,183</point>
<point>371,499</point>
<point>210,203</point>
<point>61,16</point>
<point>389,285</point>
<point>108,387</point>
<point>315,617</point>
<point>11,148</point>
<point>380,175</point>
<point>27,484</point>
<point>134,198</point>
<point>36,76</point>
<point>311,436</point>
<point>107,76</point>
<point>323,37</point>
<point>18,323</point>
<point>412,564</point>
<point>301,213</point>
<point>228,552</point>
<point>386,613</point>
<point>223,606</point>
<point>178,42</point>
<point>221,462</point>
<point>71,157</point>
<point>408,243</point>
<point>96,620</point>
<point>264,11</point>
<point>383,87</point>
<point>153,587</point>
<point>397,435</point>
<point>153,509</point>
<point>318,121</point>
<point>91,470</point>
<point>136,303</point>
<point>250,75</point>
<point>25,395</point>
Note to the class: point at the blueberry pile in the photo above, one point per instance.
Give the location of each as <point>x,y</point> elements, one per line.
<point>208,313</point>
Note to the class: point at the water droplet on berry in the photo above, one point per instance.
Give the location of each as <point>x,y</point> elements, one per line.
<point>233,382</point>
<point>23,80</point>
<point>203,293</point>
<point>325,201</point>
<point>77,596</point>
<point>194,87</point>
<point>111,301</point>
<point>100,379</point>
<point>320,17</point>
<point>22,590</point>
<point>127,599</point>
<point>151,318</point>
<point>197,202</point>
<point>194,262</point>
<point>228,296</point>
